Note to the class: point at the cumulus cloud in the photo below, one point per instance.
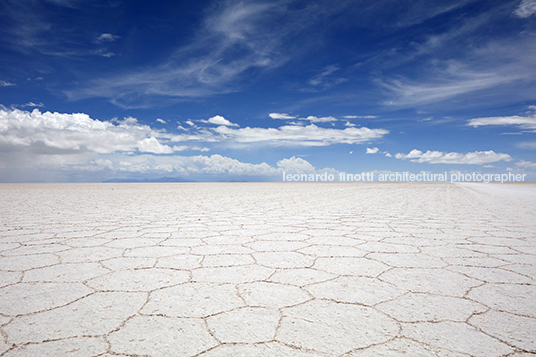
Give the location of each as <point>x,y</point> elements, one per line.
<point>192,165</point>
<point>57,132</point>
<point>161,121</point>
<point>372,150</point>
<point>283,116</point>
<point>65,145</point>
<point>219,120</point>
<point>526,8</point>
<point>295,165</point>
<point>215,166</point>
<point>152,145</point>
<point>438,157</point>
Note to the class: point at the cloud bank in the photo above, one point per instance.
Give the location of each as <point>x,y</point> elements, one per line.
<point>438,157</point>
<point>35,142</point>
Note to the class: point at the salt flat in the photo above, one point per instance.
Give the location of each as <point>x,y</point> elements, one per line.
<point>268,269</point>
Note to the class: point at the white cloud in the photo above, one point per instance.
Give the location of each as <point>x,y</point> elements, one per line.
<point>78,133</point>
<point>527,164</point>
<point>372,150</point>
<point>497,68</point>
<point>191,148</point>
<point>438,157</point>
<point>359,116</point>
<point>409,93</point>
<point>295,165</point>
<point>153,146</point>
<point>32,104</point>
<point>36,144</point>
<point>526,8</point>
<point>189,166</point>
<point>219,120</point>
<point>57,132</point>
<point>161,121</point>
<point>349,124</point>
<point>281,116</point>
<point>6,84</point>
<point>314,119</point>
<point>310,118</point>
<point>527,145</point>
<point>290,135</point>
<point>528,122</point>
<point>108,37</point>
<point>214,166</point>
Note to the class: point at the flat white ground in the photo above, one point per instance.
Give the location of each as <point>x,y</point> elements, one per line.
<point>268,269</point>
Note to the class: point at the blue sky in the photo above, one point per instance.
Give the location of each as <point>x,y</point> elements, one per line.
<point>247,90</point>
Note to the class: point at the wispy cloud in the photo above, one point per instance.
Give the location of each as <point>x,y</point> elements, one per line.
<point>310,118</point>
<point>31,104</point>
<point>523,122</point>
<point>438,157</point>
<point>6,84</point>
<point>526,164</point>
<point>237,37</point>
<point>527,145</point>
<point>446,86</point>
<point>526,8</point>
<point>325,79</point>
<point>462,64</point>
<point>108,37</point>
<point>359,116</point>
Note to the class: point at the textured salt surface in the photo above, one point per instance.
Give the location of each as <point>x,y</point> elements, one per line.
<point>267,269</point>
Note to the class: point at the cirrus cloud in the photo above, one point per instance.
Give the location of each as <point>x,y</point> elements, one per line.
<point>526,8</point>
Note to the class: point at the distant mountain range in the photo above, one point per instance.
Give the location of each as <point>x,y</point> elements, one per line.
<point>161,179</point>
